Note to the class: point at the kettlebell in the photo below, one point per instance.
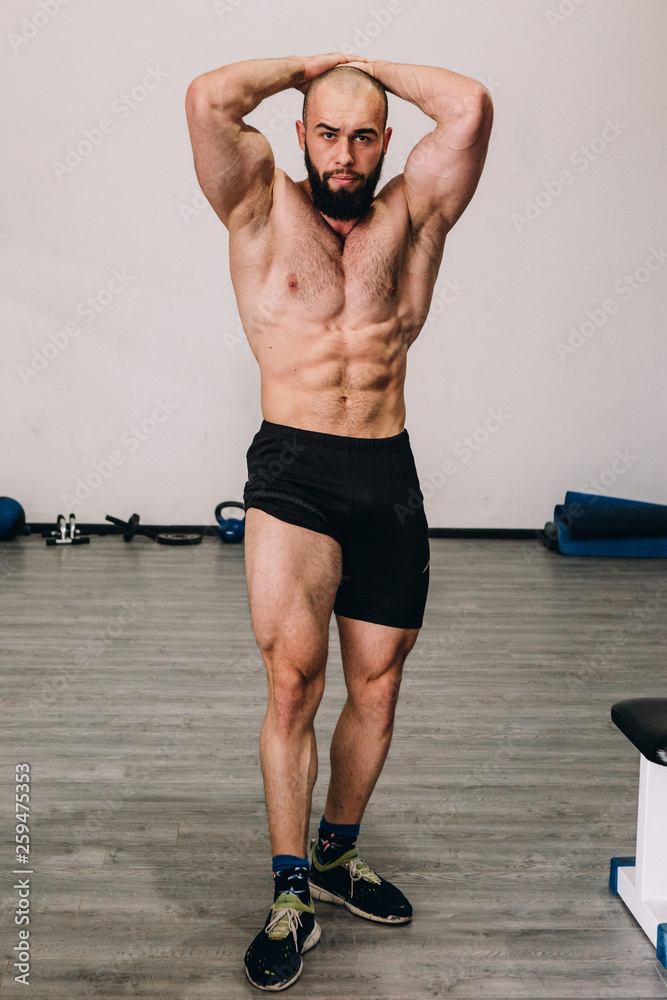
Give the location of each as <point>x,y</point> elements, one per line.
<point>232,529</point>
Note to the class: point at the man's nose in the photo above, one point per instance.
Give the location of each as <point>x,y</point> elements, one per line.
<point>344,152</point>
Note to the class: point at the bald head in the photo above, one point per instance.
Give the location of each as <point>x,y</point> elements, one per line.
<point>350,81</point>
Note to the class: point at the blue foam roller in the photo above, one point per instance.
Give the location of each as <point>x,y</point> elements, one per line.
<point>646,546</point>
<point>661,946</point>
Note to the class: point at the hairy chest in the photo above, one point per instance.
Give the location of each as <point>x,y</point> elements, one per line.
<point>301,274</point>
<point>364,268</point>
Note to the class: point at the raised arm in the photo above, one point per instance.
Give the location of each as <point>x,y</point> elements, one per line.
<point>234,161</point>
<point>443,170</point>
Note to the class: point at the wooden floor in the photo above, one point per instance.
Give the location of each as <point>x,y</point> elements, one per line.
<point>132,685</point>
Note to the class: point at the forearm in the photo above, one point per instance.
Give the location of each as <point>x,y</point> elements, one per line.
<point>439,93</point>
<point>240,87</point>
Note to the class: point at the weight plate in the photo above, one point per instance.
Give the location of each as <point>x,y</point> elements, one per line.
<point>179,538</point>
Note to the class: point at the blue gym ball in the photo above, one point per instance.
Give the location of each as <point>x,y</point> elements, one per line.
<point>12,519</point>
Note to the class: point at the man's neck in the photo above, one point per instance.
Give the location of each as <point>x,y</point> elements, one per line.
<point>343,229</point>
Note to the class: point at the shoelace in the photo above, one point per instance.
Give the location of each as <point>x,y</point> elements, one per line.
<point>291,920</point>
<point>359,869</point>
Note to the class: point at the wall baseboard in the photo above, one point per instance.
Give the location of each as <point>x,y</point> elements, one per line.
<point>212,530</point>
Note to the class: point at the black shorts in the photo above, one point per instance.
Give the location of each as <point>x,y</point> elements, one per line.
<point>365,493</point>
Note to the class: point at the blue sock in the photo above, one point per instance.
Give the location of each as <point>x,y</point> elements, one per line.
<point>334,840</point>
<point>290,874</point>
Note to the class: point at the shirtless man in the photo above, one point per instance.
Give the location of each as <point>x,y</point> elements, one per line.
<point>333,285</point>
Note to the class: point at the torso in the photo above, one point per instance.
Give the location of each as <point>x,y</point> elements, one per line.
<point>330,319</point>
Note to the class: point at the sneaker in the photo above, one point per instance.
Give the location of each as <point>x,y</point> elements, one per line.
<point>273,960</point>
<point>350,882</point>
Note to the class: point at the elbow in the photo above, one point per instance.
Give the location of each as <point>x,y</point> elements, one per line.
<point>475,117</point>
<point>204,94</point>
<point>486,103</point>
<point>478,103</point>
<point>197,98</point>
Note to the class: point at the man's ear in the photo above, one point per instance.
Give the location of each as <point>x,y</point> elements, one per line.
<point>387,136</point>
<point>301,133</point>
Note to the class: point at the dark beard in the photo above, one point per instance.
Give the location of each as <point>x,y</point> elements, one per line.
<point>343,205</point>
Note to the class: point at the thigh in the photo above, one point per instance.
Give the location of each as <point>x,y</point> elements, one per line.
<point>371,652</point>
<point>292,575</point>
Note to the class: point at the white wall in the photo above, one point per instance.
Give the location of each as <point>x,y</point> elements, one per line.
<point>509,290</point>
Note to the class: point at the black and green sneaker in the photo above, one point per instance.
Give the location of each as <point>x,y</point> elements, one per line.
<point>350,882</point>
<point>273,960</point>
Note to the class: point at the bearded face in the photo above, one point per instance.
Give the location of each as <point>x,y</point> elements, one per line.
<point>338,201</point>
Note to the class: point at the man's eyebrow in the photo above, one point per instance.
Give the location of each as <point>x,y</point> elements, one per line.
<point>357,131</point>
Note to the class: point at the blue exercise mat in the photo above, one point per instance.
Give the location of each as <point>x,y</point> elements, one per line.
<point>592,525</point>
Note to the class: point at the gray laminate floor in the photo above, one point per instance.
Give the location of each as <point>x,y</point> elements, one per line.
<point>132,685</point>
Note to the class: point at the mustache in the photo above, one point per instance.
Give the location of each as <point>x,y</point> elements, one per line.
<point>341,173</point>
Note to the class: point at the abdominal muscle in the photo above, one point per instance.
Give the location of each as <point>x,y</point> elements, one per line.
<point>333,379</point>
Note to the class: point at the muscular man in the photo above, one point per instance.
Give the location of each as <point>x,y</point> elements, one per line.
<point>333,285</point>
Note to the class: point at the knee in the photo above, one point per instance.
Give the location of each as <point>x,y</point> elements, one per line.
<point>292,646</point>
<point>375,697</point>
<point>294,697</point>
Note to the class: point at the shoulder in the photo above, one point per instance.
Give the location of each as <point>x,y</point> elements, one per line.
<point>258,228</point>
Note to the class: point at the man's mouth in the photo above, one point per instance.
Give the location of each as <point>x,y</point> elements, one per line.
<point>345,178</point>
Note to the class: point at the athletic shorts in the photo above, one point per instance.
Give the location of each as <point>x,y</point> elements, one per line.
<point>365,493</point>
